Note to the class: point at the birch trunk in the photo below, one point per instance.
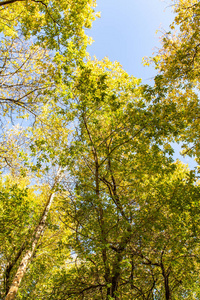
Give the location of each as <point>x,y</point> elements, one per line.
<point>34,241</point>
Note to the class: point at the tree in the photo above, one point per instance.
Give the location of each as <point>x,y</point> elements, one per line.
<point>36,235</point>
<point>178,64</point>
<point>42,41</point>
<point>21,209</point>
<point>120,207</point>
<point>16,204</point>
<point>31,76</point>
<point>55,24</point>
<point>44,141</point>
<point>178,59</point>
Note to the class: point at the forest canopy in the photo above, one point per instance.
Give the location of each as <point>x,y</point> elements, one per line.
<point>92,203</point>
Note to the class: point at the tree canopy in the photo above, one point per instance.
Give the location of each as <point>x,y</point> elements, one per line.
<point>92,203</point>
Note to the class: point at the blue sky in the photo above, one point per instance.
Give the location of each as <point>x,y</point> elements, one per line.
<point>126,32</point>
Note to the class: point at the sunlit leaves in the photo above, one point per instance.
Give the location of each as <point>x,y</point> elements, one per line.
<point>177,82</point>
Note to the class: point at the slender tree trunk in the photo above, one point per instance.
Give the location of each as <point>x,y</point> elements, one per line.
<point>34,241</point>
<point>114,287</point>
<point>10,266</point>
<point>167,290</point>
<point>103,234</point>
<point>166,282</point>
<point>132,272</point>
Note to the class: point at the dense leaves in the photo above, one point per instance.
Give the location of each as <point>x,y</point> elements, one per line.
<point>179,71</point>
<point>133,219</point>
<point>41,42</point>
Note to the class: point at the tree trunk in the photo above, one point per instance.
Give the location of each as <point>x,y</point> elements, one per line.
<point>166,281</point>
<point>10,266</point>
<point>167,290</point>
<point>34,241</point>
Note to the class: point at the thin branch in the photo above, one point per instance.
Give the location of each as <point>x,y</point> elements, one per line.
<point>10,2</point>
